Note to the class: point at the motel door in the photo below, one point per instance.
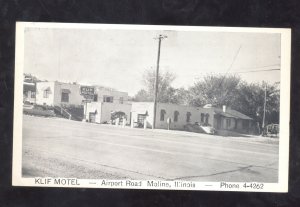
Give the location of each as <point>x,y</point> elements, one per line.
<point>141,118</point>
<point>92,117</point>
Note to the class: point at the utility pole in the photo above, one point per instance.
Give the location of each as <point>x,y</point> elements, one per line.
<point>265,102</point>
<point>160,37</point>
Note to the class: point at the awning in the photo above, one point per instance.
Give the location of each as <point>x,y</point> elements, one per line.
<point>141,112</point>
<point>27,83</point>
<point>46,88</point>
<point>27,87</point>
<point>65,91</point>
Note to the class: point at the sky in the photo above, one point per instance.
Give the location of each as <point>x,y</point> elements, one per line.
<point>118,58</point>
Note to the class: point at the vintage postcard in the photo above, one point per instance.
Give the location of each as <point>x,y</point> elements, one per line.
<point>151,107</point>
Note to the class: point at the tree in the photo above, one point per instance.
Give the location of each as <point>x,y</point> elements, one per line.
<point>142,95</point>
<point>216,90</point>
<point>239,95</point>
<point>166,93</point>
<point>250,101</point>
<point>164,83</point>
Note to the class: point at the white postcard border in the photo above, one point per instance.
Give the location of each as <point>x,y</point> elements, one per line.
<point>281,186</point>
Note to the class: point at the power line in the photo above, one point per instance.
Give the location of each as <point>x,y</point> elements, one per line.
<point>238,51</point>
<point>249,71</point>
<point>252,71</point>
<point>259,67</point>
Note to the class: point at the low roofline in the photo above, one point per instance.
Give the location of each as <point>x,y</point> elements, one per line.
<point>232,115</point>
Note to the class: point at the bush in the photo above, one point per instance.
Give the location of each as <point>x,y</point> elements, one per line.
<point>39,112</point>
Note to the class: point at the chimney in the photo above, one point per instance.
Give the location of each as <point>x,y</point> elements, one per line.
<point>224,108</point>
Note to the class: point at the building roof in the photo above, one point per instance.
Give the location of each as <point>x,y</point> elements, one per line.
<point>230,113</point>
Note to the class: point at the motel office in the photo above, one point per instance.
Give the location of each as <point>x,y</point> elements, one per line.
<point>68,96</point>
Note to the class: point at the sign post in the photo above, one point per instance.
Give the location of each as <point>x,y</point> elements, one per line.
<point>88,93</point>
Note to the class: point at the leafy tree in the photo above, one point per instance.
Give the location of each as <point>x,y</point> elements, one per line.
<point>164,83</point>
<point>250,101</point>
<point>239,95</point>
<point>166,93</point>
<point>216,90</point>
<point>142,95</point>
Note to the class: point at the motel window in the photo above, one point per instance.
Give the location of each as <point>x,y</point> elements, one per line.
<point>46,93</point>
<point>32,94</point>
<point>202,117</point>
<point>176,114</point>
<point>64,97</point>
<point>188,116</point>
<point>121,100</point>
<point>206,118</point>
<point>162,114</point>
<point>108,99</point>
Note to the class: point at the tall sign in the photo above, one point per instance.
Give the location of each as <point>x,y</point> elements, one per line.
<point>88,93</point>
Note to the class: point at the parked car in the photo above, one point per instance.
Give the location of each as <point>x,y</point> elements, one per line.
<point>271,130</point>
<point>198,128</point>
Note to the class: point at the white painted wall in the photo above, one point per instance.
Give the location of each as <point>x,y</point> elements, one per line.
<point>55,93</point>
<point>115,94</point>
<point>74,97</point>
<point>107,108</point>
<point>182,118</point>
<point>40,87</point>
<point>142,107</point>
<point>92,107</point>
<point>104,110</point>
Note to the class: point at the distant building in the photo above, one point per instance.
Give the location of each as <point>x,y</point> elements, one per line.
<point>29,88</point>
<point>28,92</point>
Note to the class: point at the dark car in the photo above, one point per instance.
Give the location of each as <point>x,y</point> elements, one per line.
<point>271,130</point>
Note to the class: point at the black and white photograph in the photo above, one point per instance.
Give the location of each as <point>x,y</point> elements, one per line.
<point>151,107</point>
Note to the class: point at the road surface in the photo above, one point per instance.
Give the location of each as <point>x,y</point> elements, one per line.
<point>54,147</point>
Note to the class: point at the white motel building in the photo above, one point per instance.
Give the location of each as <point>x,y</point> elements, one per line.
<point>106,101</point>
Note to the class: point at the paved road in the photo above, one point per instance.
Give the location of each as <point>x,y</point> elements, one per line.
<point>58,147</point>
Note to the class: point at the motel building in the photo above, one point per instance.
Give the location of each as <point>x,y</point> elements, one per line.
<point>226,121</point>
<point>105,103</point>
<point>67,99</point>
<point>176,115</point>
